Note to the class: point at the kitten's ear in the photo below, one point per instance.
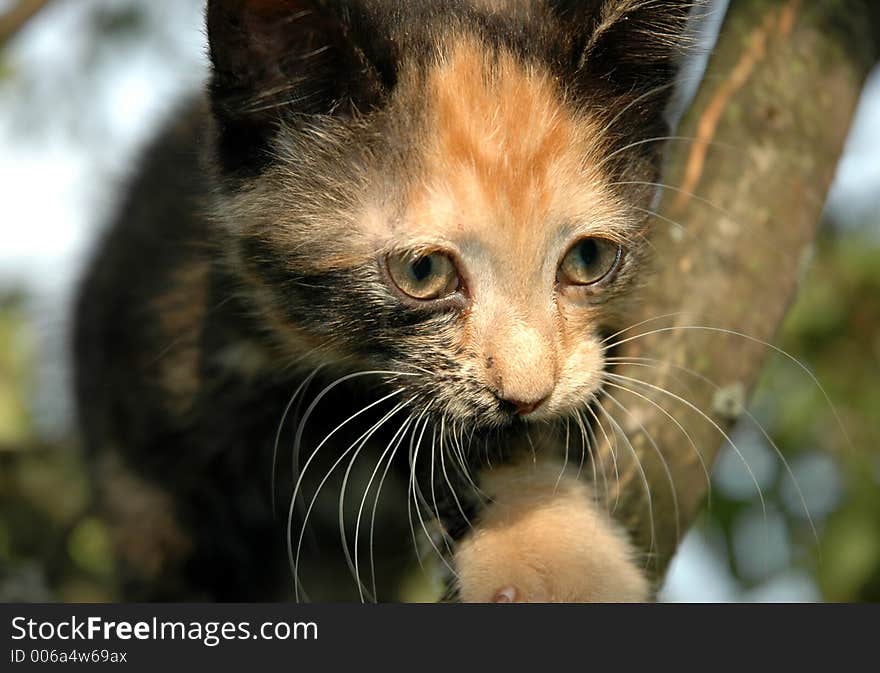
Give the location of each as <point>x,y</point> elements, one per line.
<point>635,46</point>
<point>277,59</point>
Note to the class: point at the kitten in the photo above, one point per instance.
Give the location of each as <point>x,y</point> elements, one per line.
<point>391,235</point>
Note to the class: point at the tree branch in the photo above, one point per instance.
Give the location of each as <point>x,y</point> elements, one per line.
<point>15,19</point>
<point>733,234</point>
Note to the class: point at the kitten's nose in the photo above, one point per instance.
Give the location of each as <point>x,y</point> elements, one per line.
<point>522,408</point>
<point>521,364</point>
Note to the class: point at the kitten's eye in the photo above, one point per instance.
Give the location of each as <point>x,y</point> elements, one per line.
<point>589,261</point>
<point>427,277</point>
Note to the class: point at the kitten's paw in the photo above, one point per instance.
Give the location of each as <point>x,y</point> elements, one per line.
<point>508,594</point>
<point>538,542</point>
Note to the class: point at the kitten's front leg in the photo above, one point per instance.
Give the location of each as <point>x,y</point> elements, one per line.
<point>543,538</point>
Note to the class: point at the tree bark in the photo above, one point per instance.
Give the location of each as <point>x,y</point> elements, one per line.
<point>16,18</point>
<point>731,241</point>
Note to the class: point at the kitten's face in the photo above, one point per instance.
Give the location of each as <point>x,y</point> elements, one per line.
<point>470,230</point>
<point>510,227</point>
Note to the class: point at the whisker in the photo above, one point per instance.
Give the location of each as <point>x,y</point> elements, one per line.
<point>638,99</point>
<point>393,445</point>
<point>588,441</point>
<point>748,337</point>
<point>362,441</point>
<point>678,190</point>
<point>428,536</point>
<point>458,454</point>
<point>658,139</point>
<point>417,490</point>
<point>789,260</point>
<point>301,388</point>
<point>531,446</point>
<point>656,318</point>
<point>446,540</point>
<point>709,420</point>
<point>446,475</point>
<point>653,213</point>
<point>585,450</point>
<point>680,427</point>
<point>294,561</point>
<point>663,462</point>
<point>410,500</point>
<point>611,443</point>
<point>786,465</point>
<point>425,504</point>
<point>428,372</point>
<point>488,458</point>
<point>565,461</point>
<point>642,475</point>
<point>297,442</point>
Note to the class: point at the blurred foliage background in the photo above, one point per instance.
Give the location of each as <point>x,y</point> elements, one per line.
<point>83,86</point>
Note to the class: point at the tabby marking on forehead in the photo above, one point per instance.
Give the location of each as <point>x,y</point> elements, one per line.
<point>505,150</point>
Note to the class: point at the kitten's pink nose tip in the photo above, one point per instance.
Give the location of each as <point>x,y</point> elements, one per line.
<point>522,408</point>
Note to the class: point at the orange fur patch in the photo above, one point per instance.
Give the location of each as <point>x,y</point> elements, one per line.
<point>504,149</point>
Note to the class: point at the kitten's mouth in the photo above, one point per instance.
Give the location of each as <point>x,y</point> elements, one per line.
<point>506,417</point>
